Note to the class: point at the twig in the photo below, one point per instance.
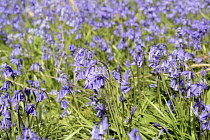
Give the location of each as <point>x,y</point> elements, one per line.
<point>198,65</point>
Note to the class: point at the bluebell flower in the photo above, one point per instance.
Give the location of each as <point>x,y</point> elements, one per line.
<point>63,92</point>
<point>27,134</point>
<point>122,99</point>
<point>53,92</point>
<point>155,54</point>
<point>104,46</point>
<point>17,50</point>
<point>27,91</point>
<point>175,73</point>
<point>122,44</point>
<point>63,78</point>
<point>17,62</point>
<point>64,104</point>
<point>195,90</point>
<point>130,33</point>
<point>126,75</point>
<point>103,126</point>
<point>65,112</point>
<point>138,59</point>
<point>81,75</point>
<point>6,85</point>
<point>152,85</point>
<point>97,39</point>
<point>8,71</point>
<point>199,107</point>
<point>117,75</point>
<point>6,120</point>
<point>197,45</point>
<point>15,104</point>
<point>45,56</point>
<point>133,110</point>
<point>139,48</point>
<point>95,133</point>
<point>206,126</point>
<point>189,74</point>
<point>203,73</point>
<point>125,87</point>
<point>134,135</point>
<point>78,36</point>
<point>127,63</point>
<point>33,83</point>
<point>40,95</point>
<point>100,110</point>
<point>4,102</point>
<point>83,59</point>
<point>111,57</point>
<point>204,116</point>
<point>170,104</point>
<point>149,38</point>
<point>198,60</point>
<point>204,84</point>
<point>36,67</point>
<point>92,44</point>
<point>73,49</point>
<point>131,21</point>
<point>94,101</point>
<point>30,109</point>
<point>19,96</point>
<point>7,114</point>
<point>174,84</point>
<point>95,81</point>
<point>119,30</point>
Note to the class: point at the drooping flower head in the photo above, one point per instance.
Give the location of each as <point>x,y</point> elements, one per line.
<point>28,134</point>
<point>103,126</point>
<point>8,71</point>
<point>36,67</point>
<point>134,135</point>
<point>95,133</point>
<point>30,109</point>
<point>6,85</point>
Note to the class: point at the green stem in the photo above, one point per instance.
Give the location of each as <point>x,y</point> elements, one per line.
<point>38,129</point>
<point>19,125</point>
<point>139,88</point>
<point>159,96</point>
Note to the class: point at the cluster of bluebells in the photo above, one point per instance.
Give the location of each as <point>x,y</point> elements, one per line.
<point>138,55</point>
<point>65,90</point>
<point>175,64</point>
<point>98,132</point>
<point>28,134</point>
<point>95,75</point>
<point>11,100</point>
<point>101,43</point>
<point>202,111</point>
<point>93,71</point>
<point>122,80</point>
<point>156,53</point>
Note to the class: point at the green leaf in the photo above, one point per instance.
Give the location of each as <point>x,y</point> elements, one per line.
<point>205,16</point>
<point>71,135</point>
